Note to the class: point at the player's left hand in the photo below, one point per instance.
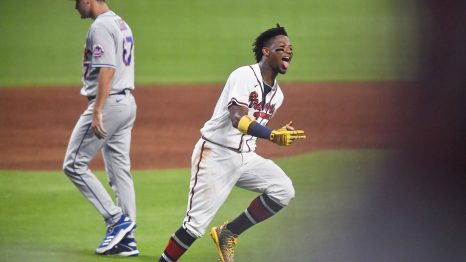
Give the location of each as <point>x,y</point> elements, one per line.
<point>98,126</point>
<point>286,135</point>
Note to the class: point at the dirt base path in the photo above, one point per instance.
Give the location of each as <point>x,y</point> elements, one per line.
<point>36,122</point>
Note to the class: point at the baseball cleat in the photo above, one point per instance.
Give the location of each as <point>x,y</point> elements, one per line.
<point>115,234</point>
<point>126,248</point>
<point>225,241</point>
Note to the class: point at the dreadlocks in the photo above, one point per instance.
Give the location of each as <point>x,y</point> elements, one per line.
<point>263,40</point>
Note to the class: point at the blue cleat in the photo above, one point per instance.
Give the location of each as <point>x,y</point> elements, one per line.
<point>115,234</point>
<point>126,248</point>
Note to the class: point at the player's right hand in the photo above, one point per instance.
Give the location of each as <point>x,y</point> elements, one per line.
<point>98,126</point>
<point>286,136</point>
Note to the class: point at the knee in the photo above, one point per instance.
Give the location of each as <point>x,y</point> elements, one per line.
<point>71,168</point>
<point>68,169</point>
<point>68,164</point>
<point>283,193</point>
<point>288,194</point>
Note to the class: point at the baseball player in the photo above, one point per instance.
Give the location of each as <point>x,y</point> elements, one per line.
<point>106,124</point>
<point>224,156</point>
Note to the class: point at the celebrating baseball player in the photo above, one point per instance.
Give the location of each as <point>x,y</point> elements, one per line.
<point>106,124</point>
<point>224,156</point>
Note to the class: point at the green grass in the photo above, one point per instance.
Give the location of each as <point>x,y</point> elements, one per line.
<point>203,41</point>
<point>45,218</point>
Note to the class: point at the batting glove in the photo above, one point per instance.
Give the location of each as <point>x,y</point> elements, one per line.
<point>285,137</point>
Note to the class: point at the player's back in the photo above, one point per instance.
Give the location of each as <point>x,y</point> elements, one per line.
<point>110,43</point>
<point>124,43</point>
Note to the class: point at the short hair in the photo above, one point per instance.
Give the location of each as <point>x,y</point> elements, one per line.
<point>263,40</point>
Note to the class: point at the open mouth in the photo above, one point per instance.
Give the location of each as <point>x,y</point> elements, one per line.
<point>286,61</point>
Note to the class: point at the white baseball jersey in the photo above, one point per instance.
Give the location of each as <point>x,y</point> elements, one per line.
<point>109,43</point>
<point>244,87</point>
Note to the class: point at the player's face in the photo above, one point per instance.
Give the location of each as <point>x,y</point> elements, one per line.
<point>279,53</point>
<point>83,8</point>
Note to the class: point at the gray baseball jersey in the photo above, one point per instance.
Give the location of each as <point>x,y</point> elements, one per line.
<point>109,43</point>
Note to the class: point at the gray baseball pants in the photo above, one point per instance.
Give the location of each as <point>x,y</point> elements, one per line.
<point>119,114</point>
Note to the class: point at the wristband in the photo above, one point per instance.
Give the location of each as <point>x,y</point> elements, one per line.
<point>258,130</point>
<point>244,123</point>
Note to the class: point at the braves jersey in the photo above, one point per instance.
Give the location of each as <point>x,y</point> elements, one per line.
<point>109,43</point>
<point>244,87</point>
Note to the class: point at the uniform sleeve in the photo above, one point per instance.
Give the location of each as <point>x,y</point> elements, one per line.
<point>103,47</point>
<point>240,88</point>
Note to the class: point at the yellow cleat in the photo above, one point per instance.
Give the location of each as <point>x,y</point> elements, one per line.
<point>225,241</point>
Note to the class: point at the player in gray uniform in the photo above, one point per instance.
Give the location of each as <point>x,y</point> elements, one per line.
<point>225,155</point>
<point>106,124</point>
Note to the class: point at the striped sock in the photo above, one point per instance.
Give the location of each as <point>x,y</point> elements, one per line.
<point>177,245</point>
<point>259,210</point>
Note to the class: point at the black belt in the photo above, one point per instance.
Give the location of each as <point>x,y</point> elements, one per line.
<point>123,92</point>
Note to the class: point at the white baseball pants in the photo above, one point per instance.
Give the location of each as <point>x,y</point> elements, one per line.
<point>216,170</point>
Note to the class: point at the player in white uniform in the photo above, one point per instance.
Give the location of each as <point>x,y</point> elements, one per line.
<point>106,124</point>
<point>224,157</point>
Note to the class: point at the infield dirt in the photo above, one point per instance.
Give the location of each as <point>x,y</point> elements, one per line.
<point>36,122</point>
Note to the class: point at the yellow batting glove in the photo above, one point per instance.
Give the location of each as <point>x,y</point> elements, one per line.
<point>284,137</point>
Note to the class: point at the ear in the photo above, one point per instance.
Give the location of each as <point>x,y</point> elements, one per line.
<point>265,51</point>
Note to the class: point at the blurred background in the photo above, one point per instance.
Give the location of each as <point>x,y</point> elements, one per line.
<point>198,41</point>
